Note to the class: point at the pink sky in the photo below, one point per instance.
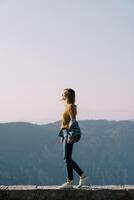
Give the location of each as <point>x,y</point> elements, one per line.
<point>46,46</point>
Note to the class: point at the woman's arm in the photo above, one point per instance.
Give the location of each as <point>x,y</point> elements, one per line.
<point>71,122</point>
<point>72,114</point>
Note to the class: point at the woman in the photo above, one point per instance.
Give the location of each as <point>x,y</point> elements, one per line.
<point>69,115</point>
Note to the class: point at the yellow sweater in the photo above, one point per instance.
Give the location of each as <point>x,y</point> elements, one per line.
<point>69,113</point>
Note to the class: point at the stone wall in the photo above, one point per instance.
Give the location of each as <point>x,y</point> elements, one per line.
<point>33,192</point>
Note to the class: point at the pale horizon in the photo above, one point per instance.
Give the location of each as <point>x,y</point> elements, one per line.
<point>46,46</point>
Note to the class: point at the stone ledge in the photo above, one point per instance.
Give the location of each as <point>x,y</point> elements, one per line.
<point>94,192</point>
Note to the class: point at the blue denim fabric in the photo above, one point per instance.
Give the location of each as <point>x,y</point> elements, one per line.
<point>65,133</point>
<point>75,131</point>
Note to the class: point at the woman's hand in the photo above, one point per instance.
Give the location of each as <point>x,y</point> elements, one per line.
<point>61,140</point>
<point>69,140</point>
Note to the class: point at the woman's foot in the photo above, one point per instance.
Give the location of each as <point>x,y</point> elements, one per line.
<point>82,181</point>
<point>66,185</point>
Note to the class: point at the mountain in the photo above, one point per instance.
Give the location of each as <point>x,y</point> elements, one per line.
<point>131,120</point>
<point>32,154</point>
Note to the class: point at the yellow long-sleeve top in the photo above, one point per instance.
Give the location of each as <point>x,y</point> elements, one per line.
<point>69,113</point>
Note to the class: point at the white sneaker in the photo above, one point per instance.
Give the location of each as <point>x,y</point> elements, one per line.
<point>66,185</point>
<point>82,181</point>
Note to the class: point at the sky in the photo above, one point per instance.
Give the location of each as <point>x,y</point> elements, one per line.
<point>49,45</point>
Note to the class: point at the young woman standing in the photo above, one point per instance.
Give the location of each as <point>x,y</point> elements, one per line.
<point>69,115</point>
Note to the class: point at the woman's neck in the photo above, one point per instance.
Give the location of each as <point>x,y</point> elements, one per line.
<point>66,102</point>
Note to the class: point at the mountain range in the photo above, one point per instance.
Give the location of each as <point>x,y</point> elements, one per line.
<point>32,154</point>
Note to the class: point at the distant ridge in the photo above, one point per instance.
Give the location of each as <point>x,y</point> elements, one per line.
<point>31,153</point>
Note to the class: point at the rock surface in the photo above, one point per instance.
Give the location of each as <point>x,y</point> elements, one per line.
<point>94,192</point>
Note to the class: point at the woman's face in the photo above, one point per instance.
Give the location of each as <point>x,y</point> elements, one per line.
<point>64,95</point>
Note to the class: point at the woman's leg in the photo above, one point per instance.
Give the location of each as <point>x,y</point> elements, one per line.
<point>77,168</point>
<point>67,154</point>
<point>70,164</point>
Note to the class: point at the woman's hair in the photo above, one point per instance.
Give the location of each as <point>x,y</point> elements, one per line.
<point>70,95</point>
